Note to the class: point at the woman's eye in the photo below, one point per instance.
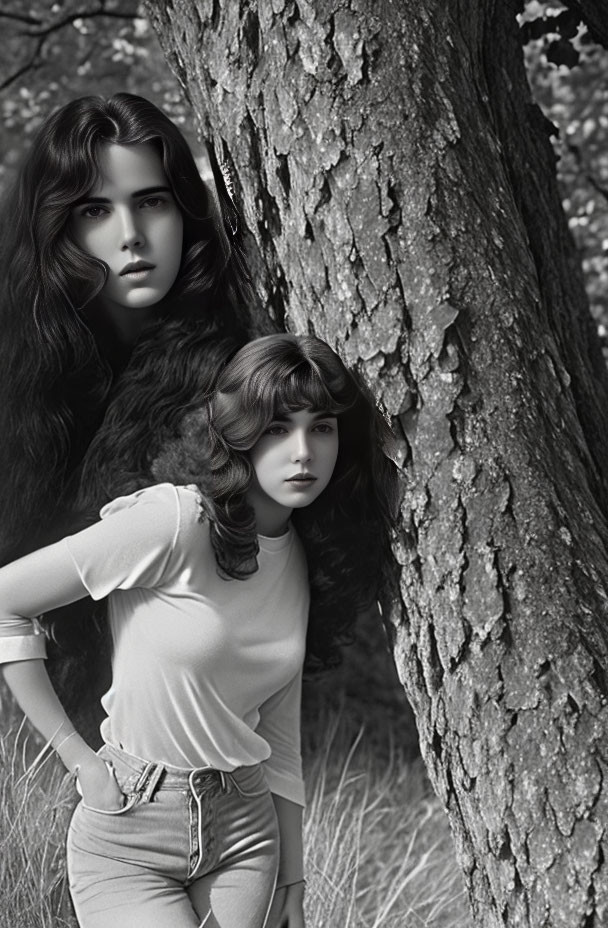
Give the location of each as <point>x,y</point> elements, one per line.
<point>93,212</point>
<point>324,427</point>
<point>153,202</point>
<point>275,430</point>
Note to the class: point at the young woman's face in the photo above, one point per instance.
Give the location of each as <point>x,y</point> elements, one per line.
<point>293,462</point>
<point>131,222</point>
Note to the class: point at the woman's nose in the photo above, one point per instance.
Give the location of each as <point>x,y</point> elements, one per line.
<point>131,235</point>
<point>301,450</point>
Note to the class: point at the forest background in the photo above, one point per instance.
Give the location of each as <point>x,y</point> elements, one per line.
<point>55,51</point>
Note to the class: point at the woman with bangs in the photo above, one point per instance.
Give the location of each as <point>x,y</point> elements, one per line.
<point>230,567</point>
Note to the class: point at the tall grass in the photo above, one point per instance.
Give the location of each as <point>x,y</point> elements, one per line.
<point>36,802</point>
<point>378,851</point>
<point>377,844</point>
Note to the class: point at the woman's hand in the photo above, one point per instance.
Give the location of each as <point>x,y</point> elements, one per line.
<point>98,785</point>
<point>31,687</point>
<point>287,909</point>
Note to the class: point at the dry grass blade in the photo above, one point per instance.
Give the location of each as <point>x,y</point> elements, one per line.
<point>378,849</point>
<point>36,800</point>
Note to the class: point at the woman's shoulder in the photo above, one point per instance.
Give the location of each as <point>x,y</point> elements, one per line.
<point>168,510</point>
<point>189,503</point>
<point>177,503</point>
<point>160,495</point>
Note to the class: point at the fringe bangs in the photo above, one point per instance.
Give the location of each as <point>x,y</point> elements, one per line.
<point>304,388</point>
<point>241,415</point>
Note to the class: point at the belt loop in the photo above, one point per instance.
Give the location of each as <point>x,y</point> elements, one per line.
<point>153,782</point>
<point>223,781</point>
<point>143,777</point>
<point>148,781</point>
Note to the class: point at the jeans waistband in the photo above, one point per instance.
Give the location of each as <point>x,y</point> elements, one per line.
<point>155,775</point>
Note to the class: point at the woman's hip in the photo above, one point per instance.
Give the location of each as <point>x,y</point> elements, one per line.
<point>176,821</point>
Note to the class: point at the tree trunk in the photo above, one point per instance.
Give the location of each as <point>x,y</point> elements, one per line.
<point>399,189</point>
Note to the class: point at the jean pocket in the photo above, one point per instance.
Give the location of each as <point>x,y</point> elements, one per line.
<point>130,802</point>
<point>130,797</point>
<point>124,774</point>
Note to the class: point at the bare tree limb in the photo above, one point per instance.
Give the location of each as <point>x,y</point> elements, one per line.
<point>20,18</point>
<point>25,68</point>
<point>73,17</point>
<point>42,33</point>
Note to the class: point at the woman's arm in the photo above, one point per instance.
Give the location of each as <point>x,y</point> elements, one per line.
<point>41,581</point>
<point>31,687</point>
<point>287,909</point>
<point>291,863</point>
<point>129,547</point>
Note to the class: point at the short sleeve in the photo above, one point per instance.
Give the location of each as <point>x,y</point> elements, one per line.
<point>279,725</point>
<point>132,544</point>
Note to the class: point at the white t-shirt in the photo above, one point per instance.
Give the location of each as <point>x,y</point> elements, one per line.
<point>205,670</point>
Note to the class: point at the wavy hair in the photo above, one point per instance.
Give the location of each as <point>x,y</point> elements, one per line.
<point>346,532</point>
<point>173,371</point>
<point>54,379</point>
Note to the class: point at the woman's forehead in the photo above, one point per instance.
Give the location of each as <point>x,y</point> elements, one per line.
<point>125,170</point>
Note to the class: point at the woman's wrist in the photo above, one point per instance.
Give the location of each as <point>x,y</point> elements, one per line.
<point>56,744</point>
<point>74,752</point>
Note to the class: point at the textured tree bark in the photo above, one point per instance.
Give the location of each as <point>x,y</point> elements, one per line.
<point>399,190</point>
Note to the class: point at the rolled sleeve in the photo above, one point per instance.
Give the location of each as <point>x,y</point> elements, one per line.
<point>130,546</point>
<point>20,640</point>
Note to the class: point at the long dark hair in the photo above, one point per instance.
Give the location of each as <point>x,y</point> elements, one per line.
<point>346,532</point>
<point>54,379</point>
<point>173,370</point>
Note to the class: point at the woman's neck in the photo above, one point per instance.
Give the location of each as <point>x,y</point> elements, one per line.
<point>271,518</point>
<point>120,325</point>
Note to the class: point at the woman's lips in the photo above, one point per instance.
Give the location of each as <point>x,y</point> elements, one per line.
<point>138,275</point>
<point>300,481</point>
<point>137,270</point>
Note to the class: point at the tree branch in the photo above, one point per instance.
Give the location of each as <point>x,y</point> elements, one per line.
<point>20,18</point>
<point>73,17</point>
<point>26,67</point>
<point>42,33</point>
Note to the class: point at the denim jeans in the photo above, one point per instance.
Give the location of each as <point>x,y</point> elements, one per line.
<point>189,848</point>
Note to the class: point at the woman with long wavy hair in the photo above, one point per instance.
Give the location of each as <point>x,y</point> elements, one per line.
<point>108,227</point>
<point>261,529</point>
